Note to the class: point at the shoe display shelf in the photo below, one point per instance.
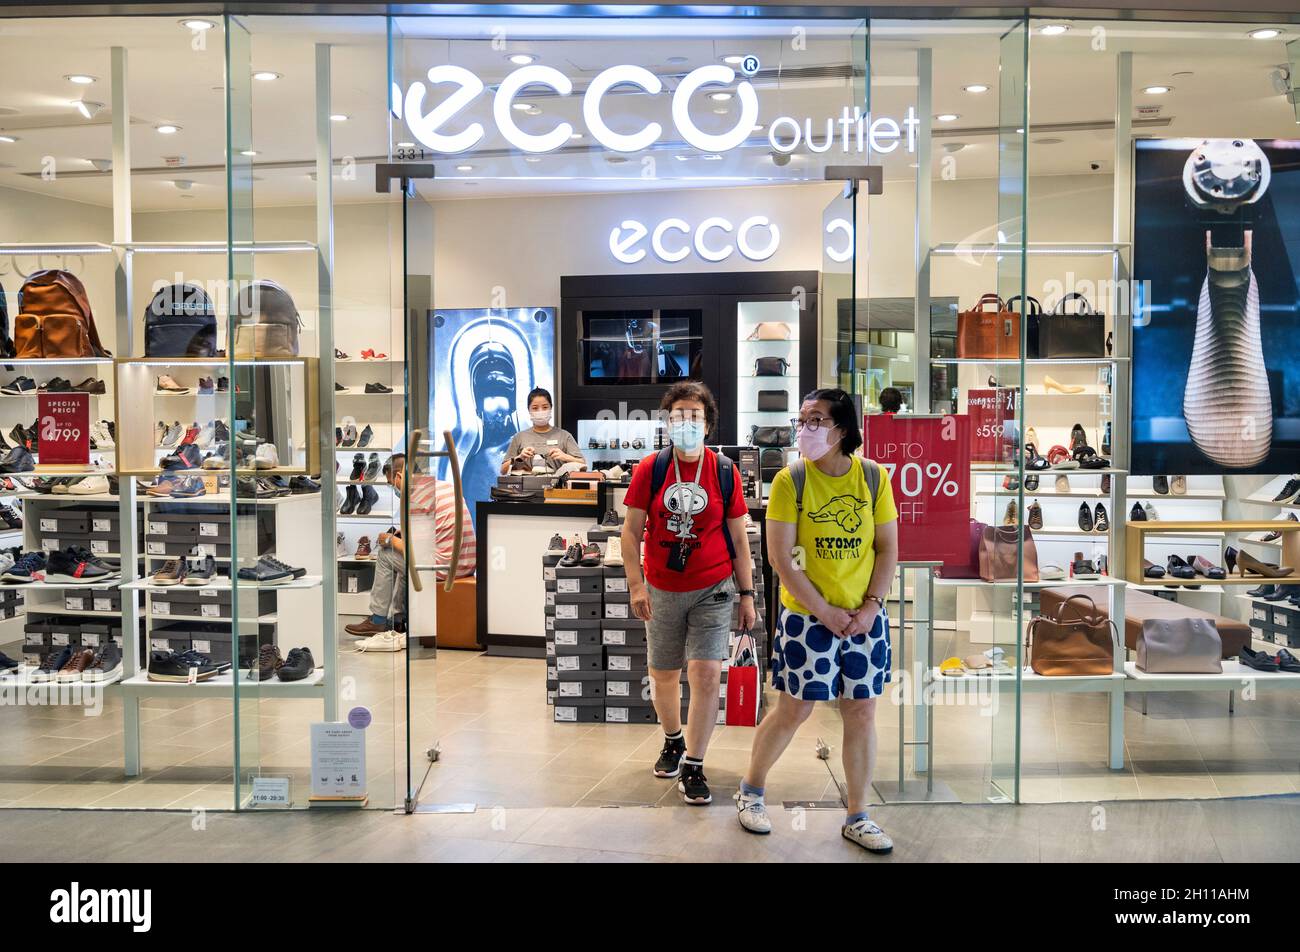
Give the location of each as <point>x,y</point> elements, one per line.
<point>749,315</point>
<point>258,384</point>
<point>21,409</point>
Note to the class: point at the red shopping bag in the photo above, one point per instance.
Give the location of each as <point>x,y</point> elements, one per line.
<point>743,683</point>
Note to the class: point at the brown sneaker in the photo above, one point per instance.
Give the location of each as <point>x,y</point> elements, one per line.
<point>268,663</point>
<point>363,548</point>
<point>365,628</point>
<point>171,573</point>
<point>81,659</point>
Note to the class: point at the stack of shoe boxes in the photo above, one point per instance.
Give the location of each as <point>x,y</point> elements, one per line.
<point>45,632</point>
<point>11,602</point>
<point>174,531</point>
<point>96,528</point>
<point>1278,622</point>
<point>574,607</point>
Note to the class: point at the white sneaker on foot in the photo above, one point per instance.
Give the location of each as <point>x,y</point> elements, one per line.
<point>867,835</point>
<point>752,812</point>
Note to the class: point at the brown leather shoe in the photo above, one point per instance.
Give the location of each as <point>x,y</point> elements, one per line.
<point>363,548</point>
<point>81,659</point>
<point>365,628</point>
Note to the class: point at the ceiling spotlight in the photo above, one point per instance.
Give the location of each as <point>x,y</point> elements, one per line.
<point>522,59</point>
<point>719,97</point>
<point>616,159</point>
<point>682,158</point>
<point>338,117</point>
<point>712,157</point>
<point>464,168</point>
<point>733,60</point>
<point>675,60</point>
<point>198,26</point>
<point>575,135</point>
<point>1267,33</point>
<point>1054,29</point>
<point>947,117</point>
<point>8,140</point>
<point>406,145</point>
<point>533,158</point>
<point>1157,90</point>
<point>249,152</point>
<point>975,88</point>
<point>265,76</point>
<point>87,108</point>
<point>166,130</point>
<point>81,79</point>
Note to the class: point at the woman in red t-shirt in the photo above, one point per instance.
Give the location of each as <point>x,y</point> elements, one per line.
<point>690,580</point>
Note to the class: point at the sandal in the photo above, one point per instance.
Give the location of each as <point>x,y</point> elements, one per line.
<point>952,667</point>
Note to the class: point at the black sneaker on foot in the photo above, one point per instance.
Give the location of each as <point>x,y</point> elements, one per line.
<point>669,763</point>
<point>693,786</point>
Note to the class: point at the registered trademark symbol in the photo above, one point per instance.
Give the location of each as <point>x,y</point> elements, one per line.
<point>749,65</point>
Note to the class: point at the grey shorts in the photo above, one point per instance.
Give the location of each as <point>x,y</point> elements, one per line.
<point>693,626</point>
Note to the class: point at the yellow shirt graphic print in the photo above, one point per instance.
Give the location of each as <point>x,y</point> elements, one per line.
<point>837,531</point>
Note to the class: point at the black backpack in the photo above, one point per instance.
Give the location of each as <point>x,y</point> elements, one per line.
<point>726,479</point>
<point>6,338</point>
<point>180,321</point>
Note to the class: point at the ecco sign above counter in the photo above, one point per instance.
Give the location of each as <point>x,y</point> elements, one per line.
<point>757,238</point>
<point>850,132</point>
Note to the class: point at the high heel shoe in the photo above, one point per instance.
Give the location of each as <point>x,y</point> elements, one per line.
<point>1050,383</point>
<point>1248,563</point>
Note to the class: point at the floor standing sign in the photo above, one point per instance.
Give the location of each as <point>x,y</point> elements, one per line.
<point>928,461</point>
<point>338,764</point>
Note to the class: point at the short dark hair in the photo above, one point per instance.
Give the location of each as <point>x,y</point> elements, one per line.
<point>539,392</point>
<point>692,390</point>
<point>392,462</point>
<point>845,415</point>
<point>891,400</point>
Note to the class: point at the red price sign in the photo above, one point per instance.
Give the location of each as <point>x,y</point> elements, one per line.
<point>989,411</point>
<point>63,422</point>
<point>928,461</point>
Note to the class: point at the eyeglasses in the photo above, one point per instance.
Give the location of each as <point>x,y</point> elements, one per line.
<point>813,424</point>
<point>679,416</point>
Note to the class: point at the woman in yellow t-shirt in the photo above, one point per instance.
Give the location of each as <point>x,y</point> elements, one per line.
<point>835,554</point>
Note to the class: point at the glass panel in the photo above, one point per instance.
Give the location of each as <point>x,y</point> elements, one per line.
<point>641,347</point>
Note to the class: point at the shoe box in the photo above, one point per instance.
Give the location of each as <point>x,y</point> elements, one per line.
<point>580,710</point>
<point>624,711</point>
<point>579,657</point>
<point>579,684</point>
<point>354,579</point>
<point>627,688</point>
<point>536,482</point>
<point>1278,623</point>
<point>629,660</point>
<point>92,600</point>
<point>623,632</point>
<point>97,529</point>
<point>615,578</point>
<point>175,530</point>
<point>571,634</point>
<point>40,636</point>
<point>213,640</point>
<point>195,602</point>
<point>601,534</point>
<point>11,600</point>
<point>618,606</point>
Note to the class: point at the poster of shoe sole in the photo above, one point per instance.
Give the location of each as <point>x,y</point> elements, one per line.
<point>1216,254</point>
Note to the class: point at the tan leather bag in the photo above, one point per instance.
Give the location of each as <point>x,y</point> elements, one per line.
<point>1080,640</point>
<point>264,340</point>
<point>770,330</point>
<point>988,334</point>
<point>55,320</point>
<point>998,547</point>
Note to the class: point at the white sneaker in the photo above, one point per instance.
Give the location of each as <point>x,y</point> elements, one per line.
<point>267,457</point>
<point>615,473</point>
<point>867,835</point>
<point>614,551</point>
<point>90,486</point>
<point>173,436</point>
<point>340,546</point>
<point>752,812</point>
<point>384,641</point>
<point>206,436</point>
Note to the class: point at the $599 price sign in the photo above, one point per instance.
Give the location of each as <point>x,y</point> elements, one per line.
<point>928,462</point>
<point>63,422</point>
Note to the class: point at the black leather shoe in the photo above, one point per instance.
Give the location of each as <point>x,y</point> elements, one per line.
<point>1258,660</point>
<point>1151,570</point>
<point>350,502</point>
<point>1160,484</point>
<point>1178,568</point>
<point>1137,513</point>
<point>1078,437</point>
<point>1100,521</point>
<point>1288,662</point>
<point>1085,517</point>
<point>1262,591</point>
<point>1283,593</point>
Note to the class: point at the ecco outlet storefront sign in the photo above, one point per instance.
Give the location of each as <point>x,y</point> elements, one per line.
<point>715,239</point>
<point>850,132</point>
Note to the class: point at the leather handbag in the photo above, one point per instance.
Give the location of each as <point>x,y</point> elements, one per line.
<point>988,334</point>
<point>1081,334</point>
<point>1079,640</point>
<point>770,366</point>
<point>770,330</point>
<point>771,436</point>
<point>769,401</point>
<point>1180,646</point>
<point>971,567</point>
<point>54,319</point>
<point>997,557</point>
<point>1031,317</point>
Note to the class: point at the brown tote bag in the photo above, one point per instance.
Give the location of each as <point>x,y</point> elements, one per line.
<point>1080,640</point>
<point>988,334</point>
<point>998,554</point>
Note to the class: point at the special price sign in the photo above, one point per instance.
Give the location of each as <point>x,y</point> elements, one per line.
<point>990,410</point>
<point>928,461</point>
<point>63,422</point>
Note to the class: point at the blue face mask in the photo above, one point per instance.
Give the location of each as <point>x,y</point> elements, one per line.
<point>688,436</point>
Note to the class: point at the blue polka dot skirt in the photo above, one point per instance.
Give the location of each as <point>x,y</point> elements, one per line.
<point>810,663</point>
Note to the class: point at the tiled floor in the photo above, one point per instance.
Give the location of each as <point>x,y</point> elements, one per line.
<point>499,746</point>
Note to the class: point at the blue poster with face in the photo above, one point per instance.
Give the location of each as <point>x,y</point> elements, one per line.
<point>485,361</point>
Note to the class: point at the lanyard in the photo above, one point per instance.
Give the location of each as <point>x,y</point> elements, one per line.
<point>677,475</point>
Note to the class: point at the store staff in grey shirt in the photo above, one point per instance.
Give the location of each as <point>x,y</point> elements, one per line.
<point>556,446</point>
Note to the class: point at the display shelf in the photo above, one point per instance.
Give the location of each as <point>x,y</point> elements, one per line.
<point>1261,600</point>
<point>1029,361</point>
<point>59,586</point>
<point>368,517</point>
<point>223,499</point>
<point>1076,532</point>
<point>268,619</point>
<point>999,469</point>
<point>980,583</point>
<point>55,248</point>
<point>311,686</point>
<point>369,360</point>
<point>1138,533</point>
<point>1190,494</point>
<point>1032,682</point>
<point>21,677</point>
<point>368,448</point>
<point>1209,588</point>
<point>1069,249</point>
<point>360,392</point>
<point>362,482</point>
<point>1233,677</point>
<point>79,612</point>
<point>1089,390</point>
<point>223,585</point>
<point>43,393</point>
<point>212,247</point>
<point>1073,493</point>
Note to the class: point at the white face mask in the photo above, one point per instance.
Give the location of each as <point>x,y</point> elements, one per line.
<point>540,417</point>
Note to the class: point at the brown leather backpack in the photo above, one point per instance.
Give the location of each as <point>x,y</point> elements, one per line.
<point>54,319</point>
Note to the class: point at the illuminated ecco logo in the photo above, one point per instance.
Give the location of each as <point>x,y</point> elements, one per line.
<point>851,131</point>
<point>672,239</point>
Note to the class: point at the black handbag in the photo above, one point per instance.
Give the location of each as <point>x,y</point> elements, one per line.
<point>770,462</point>
<point>1082,334</point>
<point>770,366</point>
<point>1031,319</point>
<point>771,436</point>
<point>773,400</point>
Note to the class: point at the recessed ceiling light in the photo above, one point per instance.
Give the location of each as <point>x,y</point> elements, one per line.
<point>719,97</point>
<point>406,145</point>
<point>1048,140</point>
<point>249,152</point>
<point>338,117</point>
<point>758,127</point>
<point>1054,29</point>
<point>81,79</point>
<point>975,88</point>
<point>947,117</point>
<point>575,135</point>
<point>198,26</point>
<point>8,140</point>
<point>682,158</point>
<point>1266,33</point>
<point>721,110</point>
<point>464,168</point>
<point>712,157</point>
<point>733,60</point>
<point>675,60</point>
<point>533,158</point>
<point>522,59</point>
<point>1157,90</point>
<point>87,108</point>
<point>1020,131</point>
<point>166,129</point>
<point>616,159</point>
<point>265,76</point>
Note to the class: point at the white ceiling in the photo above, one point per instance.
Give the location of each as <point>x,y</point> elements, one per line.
<point>1221,81</point>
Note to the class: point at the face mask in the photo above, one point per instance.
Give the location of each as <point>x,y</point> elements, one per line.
<point>814,444</point>
<point>540,418</point>
<point>687,436</point>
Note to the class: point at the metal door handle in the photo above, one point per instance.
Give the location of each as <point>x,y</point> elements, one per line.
<point>458,540</point>
<point>408,541</point>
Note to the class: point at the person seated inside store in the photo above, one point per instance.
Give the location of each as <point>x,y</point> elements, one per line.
<point>555,447</point>
<point>891,400</point>
<point>388,593</point>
